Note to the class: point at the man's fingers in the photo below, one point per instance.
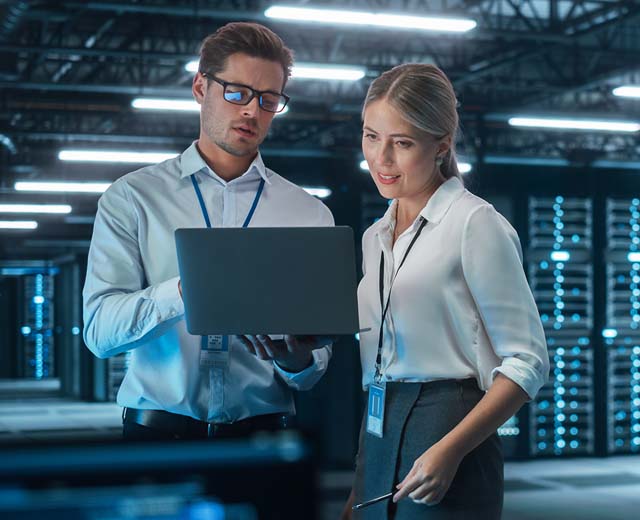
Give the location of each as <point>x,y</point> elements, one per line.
<point>258,348</point>
<point>246,344</point>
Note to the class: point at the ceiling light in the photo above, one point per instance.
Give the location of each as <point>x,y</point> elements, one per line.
<point>463,167</point>
<point>114,156</point>
<point>575,124</point>
<point>182,105</point>
<point>327,72</point>
<point>321,193</point>
<point>62,187</point>
<point>35,208</point>
<point>18,224</point>
<point>175,105</point>
<point>343,17</point>
<point>627,91</point>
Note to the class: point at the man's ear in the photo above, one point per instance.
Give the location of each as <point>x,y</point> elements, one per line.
<point>199,87</point>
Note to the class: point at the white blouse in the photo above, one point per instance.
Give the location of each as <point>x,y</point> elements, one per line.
<point>460,306</point>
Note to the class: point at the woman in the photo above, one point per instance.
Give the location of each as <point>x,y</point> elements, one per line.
<point>461,347</point>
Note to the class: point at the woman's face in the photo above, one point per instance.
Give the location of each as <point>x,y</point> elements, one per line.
<point>401,158</point>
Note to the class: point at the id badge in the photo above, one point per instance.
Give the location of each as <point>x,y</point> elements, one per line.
<point>375,408</point>
<point>214,351</point>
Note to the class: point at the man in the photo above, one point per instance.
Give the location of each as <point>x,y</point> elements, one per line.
<point>132,295</point>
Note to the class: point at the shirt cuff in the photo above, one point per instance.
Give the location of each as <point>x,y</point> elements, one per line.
<point>309,376</point>
<point>521,373</point>
<point>167,300</point>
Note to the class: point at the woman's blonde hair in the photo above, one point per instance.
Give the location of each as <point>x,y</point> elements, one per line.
<point>425,98</point>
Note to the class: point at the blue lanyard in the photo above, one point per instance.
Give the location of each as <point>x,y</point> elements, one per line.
<point>205,214</point>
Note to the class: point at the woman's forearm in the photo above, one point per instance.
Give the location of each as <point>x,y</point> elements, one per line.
<point>501,401</point>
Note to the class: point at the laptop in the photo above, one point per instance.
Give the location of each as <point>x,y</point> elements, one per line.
<point>299,280</point>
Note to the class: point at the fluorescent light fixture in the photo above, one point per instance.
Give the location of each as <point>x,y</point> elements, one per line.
<point>321,193</point>
<point>35,208</point>
<point>173,105</point>
<point>327,72</point>
<point>62,187</point>
<point>38,300</point>
<point>633,257</point>
<point>192,66</point>
<point>179,105</point>
<point>114,156</point>
<point>463,167</point>
<point>560,256</point>
<point>630,91</point>
<point>609,333</point>
<point>18,224</point>
<point>574,124</point>
<point>344,17</point>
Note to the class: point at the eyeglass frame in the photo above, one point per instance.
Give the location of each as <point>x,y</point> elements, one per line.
<point>254,93</point>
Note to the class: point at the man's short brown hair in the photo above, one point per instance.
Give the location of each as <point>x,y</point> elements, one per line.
<point>252,39</point>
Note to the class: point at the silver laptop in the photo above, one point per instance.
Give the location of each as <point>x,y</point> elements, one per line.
<point>299,280</point>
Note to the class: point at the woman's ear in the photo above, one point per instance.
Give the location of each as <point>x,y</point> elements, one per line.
<point>444,146</point>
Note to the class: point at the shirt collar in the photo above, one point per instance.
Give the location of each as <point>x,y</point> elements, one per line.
<point>441,200</point>
<point>434,210</point>
<point>192,162</point>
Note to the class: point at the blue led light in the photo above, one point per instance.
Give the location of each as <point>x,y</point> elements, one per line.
<point>25,330</point>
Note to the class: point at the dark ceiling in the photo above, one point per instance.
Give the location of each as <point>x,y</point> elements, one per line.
<point>69,70</point>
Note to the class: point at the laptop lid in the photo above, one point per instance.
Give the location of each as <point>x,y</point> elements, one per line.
<point>299,280</point>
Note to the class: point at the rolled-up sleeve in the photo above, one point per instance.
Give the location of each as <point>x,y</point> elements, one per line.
<point>118,309</point>
<point>492,267</point>
<point>307,378</point>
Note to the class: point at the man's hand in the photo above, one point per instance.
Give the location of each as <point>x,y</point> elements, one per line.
<point>294,354</point>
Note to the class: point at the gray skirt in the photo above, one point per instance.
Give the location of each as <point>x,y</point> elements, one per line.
<point>417,415</point>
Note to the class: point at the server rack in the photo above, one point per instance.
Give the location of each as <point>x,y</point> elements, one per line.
<point>622,325</point>
<point>561,417</point>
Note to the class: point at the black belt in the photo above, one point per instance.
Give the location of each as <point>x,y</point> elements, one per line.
<point>184,426</point>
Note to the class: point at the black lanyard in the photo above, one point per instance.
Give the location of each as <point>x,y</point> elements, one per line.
<point>385,308</point>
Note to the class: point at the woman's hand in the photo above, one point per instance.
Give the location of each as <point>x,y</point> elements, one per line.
<point>431,475</point>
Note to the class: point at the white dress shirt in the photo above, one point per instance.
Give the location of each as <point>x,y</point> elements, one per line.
<point>131,298</point>
<point>460,306</point>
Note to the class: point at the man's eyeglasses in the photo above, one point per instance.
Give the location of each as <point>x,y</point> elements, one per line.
<point>240,94</point>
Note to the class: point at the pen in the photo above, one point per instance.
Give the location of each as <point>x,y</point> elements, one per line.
<point>372,501</point>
